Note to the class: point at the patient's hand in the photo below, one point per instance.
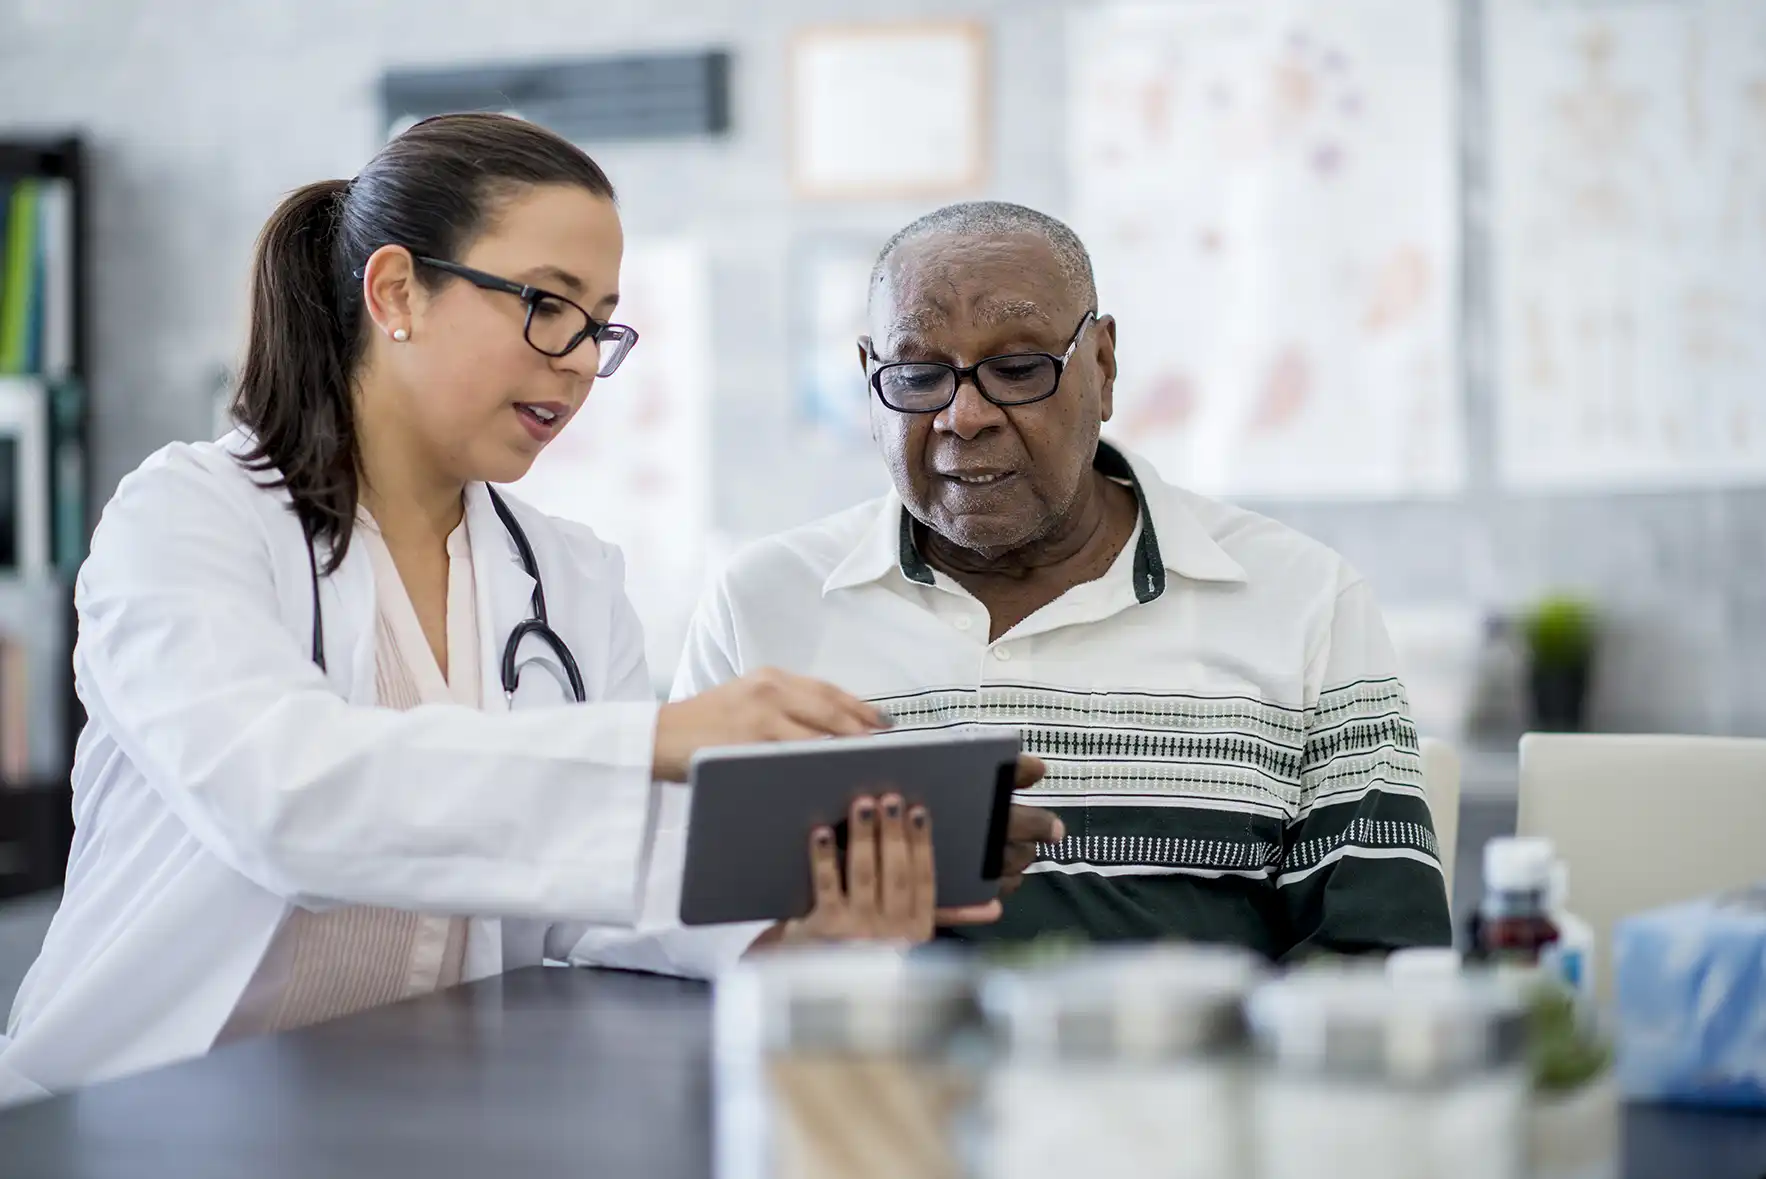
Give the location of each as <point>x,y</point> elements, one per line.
<point>890,887</point>
<point>1027,827</point>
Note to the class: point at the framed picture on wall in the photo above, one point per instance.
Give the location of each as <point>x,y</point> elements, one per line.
<point>889,111</point>
<point>24,477</point>
<point>830,281</point>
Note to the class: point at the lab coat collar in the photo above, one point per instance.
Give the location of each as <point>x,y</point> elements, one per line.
<point>503,588</point>
<point>505,591</point>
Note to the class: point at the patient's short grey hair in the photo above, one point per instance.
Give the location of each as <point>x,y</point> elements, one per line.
<point>992,219</point>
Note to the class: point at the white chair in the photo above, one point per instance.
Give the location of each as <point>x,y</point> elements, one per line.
<point>1644,821</point>
<point>1441,785</point>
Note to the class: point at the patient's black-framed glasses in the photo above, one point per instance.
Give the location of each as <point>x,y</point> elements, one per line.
<point>1016,378</point>
<point>555,326</point>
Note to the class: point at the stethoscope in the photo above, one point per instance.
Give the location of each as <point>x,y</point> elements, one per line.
<point>535,626</point>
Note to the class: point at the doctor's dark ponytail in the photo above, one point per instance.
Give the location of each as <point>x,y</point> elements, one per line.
<point>294,387</point>
<point>432,190</point>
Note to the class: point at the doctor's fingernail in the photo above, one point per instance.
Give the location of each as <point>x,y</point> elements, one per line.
<point>864,811</point>
<point>824,837</point>
<point>918,818</point>
<point>892,807</point>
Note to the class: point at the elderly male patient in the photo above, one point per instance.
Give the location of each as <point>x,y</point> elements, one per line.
<point>1214,694</point>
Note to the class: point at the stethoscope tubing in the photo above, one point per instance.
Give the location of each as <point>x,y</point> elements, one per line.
<point>537,626</point>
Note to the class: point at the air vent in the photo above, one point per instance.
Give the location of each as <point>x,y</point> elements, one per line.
<point>594,100</point>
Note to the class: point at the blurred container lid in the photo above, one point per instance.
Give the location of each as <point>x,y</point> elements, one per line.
<point>871,999</point>
<point>1359,1022</point>
<point>1124,1003</point>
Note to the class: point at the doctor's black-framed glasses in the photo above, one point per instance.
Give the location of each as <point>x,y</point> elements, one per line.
<point>555,325</point>
<point>1015,378</point>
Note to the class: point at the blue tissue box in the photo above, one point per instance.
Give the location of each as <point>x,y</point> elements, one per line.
<point>1691,984</point>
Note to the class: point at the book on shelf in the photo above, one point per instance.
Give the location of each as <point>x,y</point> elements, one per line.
<point>26,523</point>
<point>37,277</point>
<point>68,461</point>
<point>15,711</point>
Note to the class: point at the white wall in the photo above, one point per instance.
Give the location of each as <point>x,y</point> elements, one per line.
<point>202,114</point>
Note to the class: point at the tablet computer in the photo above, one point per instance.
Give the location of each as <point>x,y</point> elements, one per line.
<point>754,806</point>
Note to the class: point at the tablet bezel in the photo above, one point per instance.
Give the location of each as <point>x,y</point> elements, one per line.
<point>753,807</point>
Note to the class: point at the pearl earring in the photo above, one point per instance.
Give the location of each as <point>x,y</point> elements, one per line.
<point>401,335</point>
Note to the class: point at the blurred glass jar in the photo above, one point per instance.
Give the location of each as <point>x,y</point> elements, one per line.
<point>1121,1062</point>
<point>835,1063</point>
<point>1366,1077</point>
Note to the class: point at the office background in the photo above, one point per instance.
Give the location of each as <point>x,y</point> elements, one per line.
<point>198,117</point>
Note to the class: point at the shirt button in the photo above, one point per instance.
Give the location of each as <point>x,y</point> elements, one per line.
<point>1003,654</point>
<point>964,623</point>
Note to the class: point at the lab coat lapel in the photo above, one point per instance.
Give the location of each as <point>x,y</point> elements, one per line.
<point>505,595</point>
<point>346,595</point>
<point>349,597</point>
<point>505,591</point>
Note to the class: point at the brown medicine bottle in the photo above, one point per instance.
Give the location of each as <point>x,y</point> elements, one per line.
<point>1513,924</point>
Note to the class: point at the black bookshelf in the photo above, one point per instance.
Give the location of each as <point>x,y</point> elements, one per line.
<point>36,815</point>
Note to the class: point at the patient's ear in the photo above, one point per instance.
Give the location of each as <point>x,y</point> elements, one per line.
<point>864,364</point>
<point>1106,354</point>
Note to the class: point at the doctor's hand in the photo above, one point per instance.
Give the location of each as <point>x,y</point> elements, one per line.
<point>1026,827</point>
<point>890,887</point>
<point>768,705</point>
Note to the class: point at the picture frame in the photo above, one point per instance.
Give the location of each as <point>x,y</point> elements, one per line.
<point>889,111</point>
<point>830,281</point>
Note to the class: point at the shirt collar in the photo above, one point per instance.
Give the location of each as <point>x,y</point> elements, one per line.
<point>1171,538</point>
<point>1183,544</point>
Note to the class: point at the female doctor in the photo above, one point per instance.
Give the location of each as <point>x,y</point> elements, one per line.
<point>361,726</point>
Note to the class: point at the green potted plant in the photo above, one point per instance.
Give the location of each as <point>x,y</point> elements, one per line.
<point>1573,1118</point>
<point>1560,632</point>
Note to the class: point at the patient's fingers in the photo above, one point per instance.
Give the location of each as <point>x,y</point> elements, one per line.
<point>1019,856</point>
<point>1033,824</point>
<point>1026,827</point>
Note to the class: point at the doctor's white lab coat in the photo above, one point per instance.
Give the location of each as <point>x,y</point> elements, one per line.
<point>223,779</point>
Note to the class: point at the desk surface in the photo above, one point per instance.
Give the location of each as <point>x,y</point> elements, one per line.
<point>539,1072</point>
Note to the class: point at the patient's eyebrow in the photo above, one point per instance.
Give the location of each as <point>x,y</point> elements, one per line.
<point>919,321</point>
<point>985,312</point>
<point>995,312</point>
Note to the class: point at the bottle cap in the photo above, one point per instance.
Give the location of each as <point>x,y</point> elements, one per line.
<point>1422,962</point>
<point>866,999</point>
<point>1124,1003</point>
<point>1518,864</point>
<point>1361,1023</point>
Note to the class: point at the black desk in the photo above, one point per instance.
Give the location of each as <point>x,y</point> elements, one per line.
<point>540,1072</point>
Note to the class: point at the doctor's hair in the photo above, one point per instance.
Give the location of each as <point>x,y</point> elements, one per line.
<point>434,189</point>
